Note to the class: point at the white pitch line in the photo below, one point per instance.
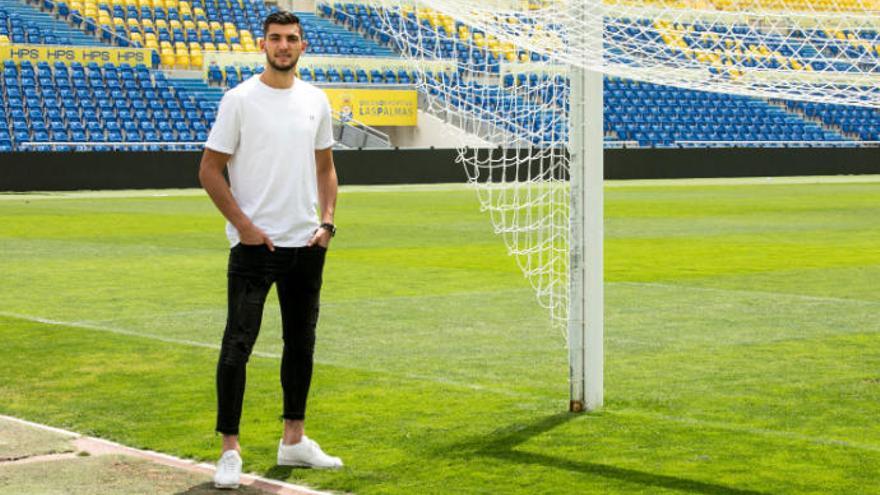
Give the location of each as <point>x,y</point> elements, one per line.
<point>746,181</point>
<point>176,193</point>
<point>100,444</point>
<point>718,425</point>
<point>193,343</point>
<point>751,292</point>
<point>735,181</point>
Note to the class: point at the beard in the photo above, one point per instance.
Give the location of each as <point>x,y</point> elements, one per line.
<point>281,67</point>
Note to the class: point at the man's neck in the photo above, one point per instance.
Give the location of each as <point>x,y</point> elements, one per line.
<point>277,79</point>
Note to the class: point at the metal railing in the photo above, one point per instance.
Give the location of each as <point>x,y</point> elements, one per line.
<point>351,133</point>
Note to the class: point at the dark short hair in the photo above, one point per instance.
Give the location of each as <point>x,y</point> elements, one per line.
<point>284,18</point>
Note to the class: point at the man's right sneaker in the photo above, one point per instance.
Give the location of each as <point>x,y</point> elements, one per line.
<point>228,473</point>
<point>306,453</point>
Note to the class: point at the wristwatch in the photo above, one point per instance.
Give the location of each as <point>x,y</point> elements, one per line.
<point>329,227</point>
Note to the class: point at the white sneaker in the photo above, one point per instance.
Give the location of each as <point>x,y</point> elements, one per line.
<point>306,453</point>
<point>228,473</point>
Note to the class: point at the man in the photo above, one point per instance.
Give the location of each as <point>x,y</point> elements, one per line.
<point>274,132</point>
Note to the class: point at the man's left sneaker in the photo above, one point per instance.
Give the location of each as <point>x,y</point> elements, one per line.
<point>306,453</point>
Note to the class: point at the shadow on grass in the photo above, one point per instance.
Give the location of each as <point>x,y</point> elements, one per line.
<point>277,472</point>
<point>208,488</point>
<point>504,448</point>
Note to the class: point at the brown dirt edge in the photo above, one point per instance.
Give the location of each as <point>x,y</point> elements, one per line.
<point>92,446</point>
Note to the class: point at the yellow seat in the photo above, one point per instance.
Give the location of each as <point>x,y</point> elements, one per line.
<point>4,40</point>
<point>236,47</point>
<point>215,26</point>
<point>168,58</point>
<point>222,47</point>
<point>202,25</point>
<point>136,38</point>
<point>196,60</point>
<point>165,45</point>
<point>161,24</point>
<point>209,47</point>
<point>182,62</point>
<point>151,44</point>
<point>174,24</point>
<point>189,25</point>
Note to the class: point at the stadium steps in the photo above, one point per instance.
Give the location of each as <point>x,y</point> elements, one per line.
<point>46,22</point>
<point>314,21</point>
<point>826,127</point>
<point>197,88</point>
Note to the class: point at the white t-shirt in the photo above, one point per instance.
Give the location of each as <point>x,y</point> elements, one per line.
<point>272,135</point>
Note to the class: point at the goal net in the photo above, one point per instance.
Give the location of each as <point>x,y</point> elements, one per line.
<point>518,85</point>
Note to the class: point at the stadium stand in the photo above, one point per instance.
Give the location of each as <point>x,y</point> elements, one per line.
<point>21,24</point>
<point>181,31</point>
<point>99,108</point>
<point>136,107</point>
<point>861,123</point>
<point>647,114</point>
<point>661,116</point>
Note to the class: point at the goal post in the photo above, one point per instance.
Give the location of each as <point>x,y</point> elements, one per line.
<point>586,315</point>
<point>526,77</point>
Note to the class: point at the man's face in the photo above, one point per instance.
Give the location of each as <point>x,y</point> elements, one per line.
<point>283,45</point>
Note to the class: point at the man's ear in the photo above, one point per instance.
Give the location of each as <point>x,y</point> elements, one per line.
<point>305,44</point>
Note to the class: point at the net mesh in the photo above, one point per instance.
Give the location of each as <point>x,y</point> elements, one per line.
<point>510,85</point>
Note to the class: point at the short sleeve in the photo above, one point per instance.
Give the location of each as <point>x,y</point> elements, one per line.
<point>324,136</point>
<point>226,129</point>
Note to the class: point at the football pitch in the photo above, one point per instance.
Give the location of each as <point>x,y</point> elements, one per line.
<point>742,340</point>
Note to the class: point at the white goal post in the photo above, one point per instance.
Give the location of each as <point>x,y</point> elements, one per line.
<point>529,80</point>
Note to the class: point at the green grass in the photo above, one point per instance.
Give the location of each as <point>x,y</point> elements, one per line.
<point>742,341</point>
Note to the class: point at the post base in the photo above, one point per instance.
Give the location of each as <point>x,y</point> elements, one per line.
<point>576,406</point>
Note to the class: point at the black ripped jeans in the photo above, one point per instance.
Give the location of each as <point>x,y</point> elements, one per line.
<point>296,273</point>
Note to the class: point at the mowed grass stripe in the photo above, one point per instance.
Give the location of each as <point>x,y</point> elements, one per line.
<point>747,354</point>
<point>69,326</point>
<point>643,454</point>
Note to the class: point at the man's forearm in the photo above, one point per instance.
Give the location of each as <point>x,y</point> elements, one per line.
<point>215,185</point>
<point>328,186</point>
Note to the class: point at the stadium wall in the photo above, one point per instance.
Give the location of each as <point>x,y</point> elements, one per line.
<point>155,170</point>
